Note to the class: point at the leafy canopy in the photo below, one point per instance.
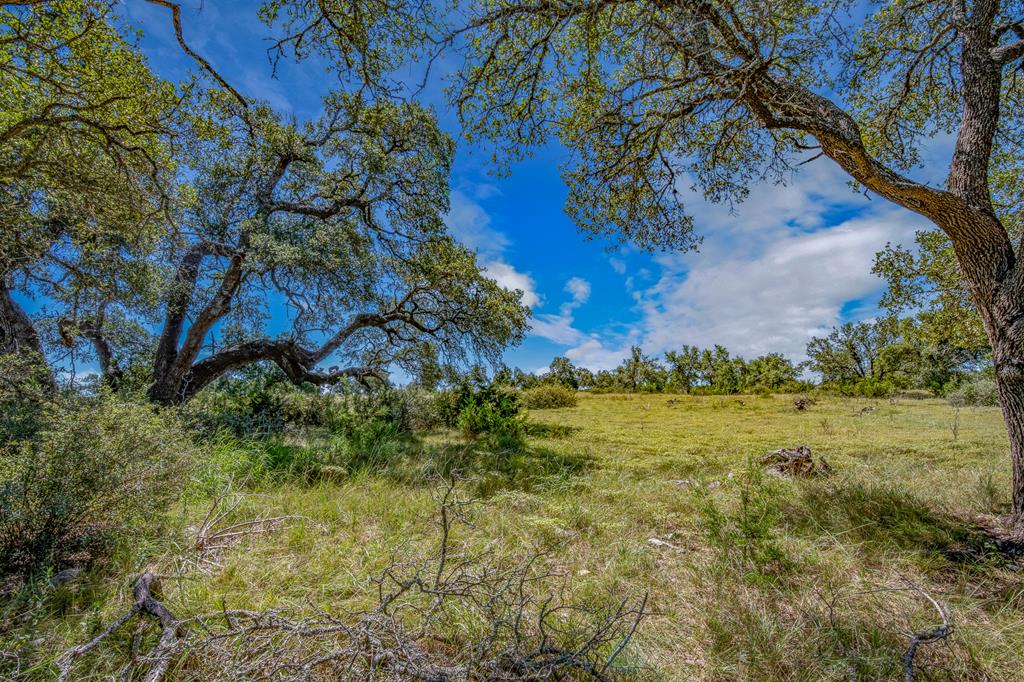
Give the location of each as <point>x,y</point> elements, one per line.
<point>650,97</point>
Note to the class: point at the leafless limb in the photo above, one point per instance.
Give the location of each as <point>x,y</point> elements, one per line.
<point>218,532</point>
<point>146,605</point>
<point>175,10</point>
<point>930,636</point>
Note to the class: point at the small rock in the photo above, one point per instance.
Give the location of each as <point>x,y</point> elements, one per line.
<point>655,542</point>
<point>65,576</point>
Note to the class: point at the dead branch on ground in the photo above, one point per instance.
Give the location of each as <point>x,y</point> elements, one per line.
<point>452,617</point>
<point>797,462</point>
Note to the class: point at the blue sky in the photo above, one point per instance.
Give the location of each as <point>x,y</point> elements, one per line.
<point>789,263</point>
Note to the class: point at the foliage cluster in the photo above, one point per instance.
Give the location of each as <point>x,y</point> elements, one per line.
<point>979,391</point>
<point>869,359</point>
<point>549,396</point>
<point>93,475</point>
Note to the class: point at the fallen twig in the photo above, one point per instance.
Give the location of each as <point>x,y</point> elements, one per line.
<point>935,634</point>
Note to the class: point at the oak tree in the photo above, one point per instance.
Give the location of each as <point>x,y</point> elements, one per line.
<point>722,93</point>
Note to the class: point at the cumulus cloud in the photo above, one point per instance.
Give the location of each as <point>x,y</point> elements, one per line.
<point>773,301</point>
<point>775,272</point>
<point>556,328</point>
<point>469,223</point>
<point>597,355</point>
<point>772,272</point>
<point>579,288</point>
<point>559,327</point>
<point>511,279</point>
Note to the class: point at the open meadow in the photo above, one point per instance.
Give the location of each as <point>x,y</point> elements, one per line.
<point>649,500</point>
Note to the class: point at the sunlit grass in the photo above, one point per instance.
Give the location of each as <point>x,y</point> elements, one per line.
<point>601,479</point>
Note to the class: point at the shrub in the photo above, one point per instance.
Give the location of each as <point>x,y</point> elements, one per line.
<point>262,403</point>
<point>494,411</point>
<point>411,409</point>
<point>549,396</point>
<point>99,473</point>
<point>503,402</point>
<point>978,392</point>
<point>873,388</point>
<point>23,391</point>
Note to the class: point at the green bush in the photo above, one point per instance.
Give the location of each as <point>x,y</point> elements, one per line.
<point>873,388</point>
<point>23,391</point>
<point>979,392</point>
<point>261,402</point>
<point>99,473</point>
<point>549,396</point>
<point>503,402</point>
<point>493,410</point>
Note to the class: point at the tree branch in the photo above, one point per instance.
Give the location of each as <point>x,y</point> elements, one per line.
<point>175,9</point>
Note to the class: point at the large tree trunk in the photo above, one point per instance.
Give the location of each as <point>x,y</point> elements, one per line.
<point>1006,334</point>
<point>993,273</point>
<point>17,333</point>
<point>1011,397</point>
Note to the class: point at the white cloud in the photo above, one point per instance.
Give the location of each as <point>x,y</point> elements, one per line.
<point>556,328</point>
<point>770,274</point>
<point>595,355</point>
<point>511,279</point>
<point>559,328</point>
<point>579,288</point>
<point>470,224</point>
<point>773,301</point>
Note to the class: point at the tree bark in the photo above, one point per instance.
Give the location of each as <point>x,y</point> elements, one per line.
<point>995,279</point>
<point>17,333</point>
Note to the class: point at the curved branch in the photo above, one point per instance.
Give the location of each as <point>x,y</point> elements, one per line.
<point>175,9</point>
<point>296,362</point>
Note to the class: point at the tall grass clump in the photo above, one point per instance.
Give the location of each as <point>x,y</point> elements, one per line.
<point>745,531</point>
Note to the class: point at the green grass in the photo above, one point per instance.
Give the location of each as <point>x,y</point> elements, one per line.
<point>766,579</point>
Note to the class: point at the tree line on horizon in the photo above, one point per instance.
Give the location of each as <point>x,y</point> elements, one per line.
<point>872,359</point>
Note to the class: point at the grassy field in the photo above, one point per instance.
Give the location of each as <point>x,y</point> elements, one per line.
<point>747,575</point>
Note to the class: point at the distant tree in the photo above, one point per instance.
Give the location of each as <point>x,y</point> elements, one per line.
<point>721,94</point>
<point>684,369</point>
<point>769,372</point>
<point>852,351</point>
<point>563,372</point>
<point>640,372</point>
<point>163,235</point>
<point>585,378</point>
<point>343,221</point>
<point>721,372</point>
<point>928,278</point>
<point>606,380</point>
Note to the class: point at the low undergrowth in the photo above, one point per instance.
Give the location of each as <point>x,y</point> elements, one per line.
<point>749,575</point>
